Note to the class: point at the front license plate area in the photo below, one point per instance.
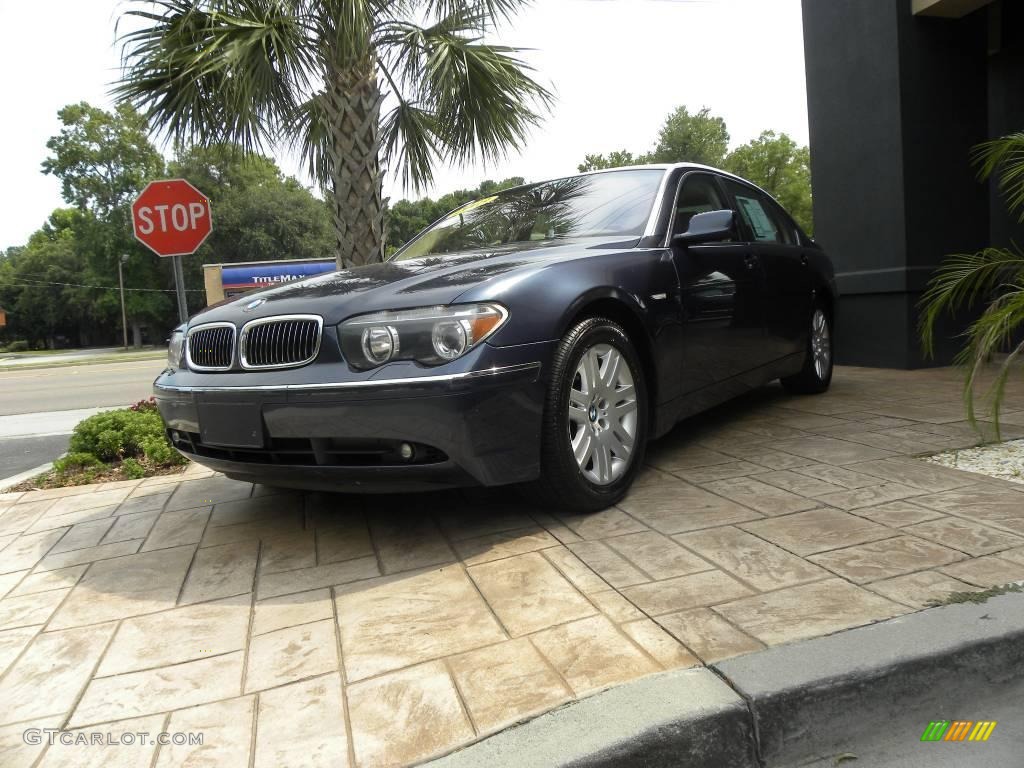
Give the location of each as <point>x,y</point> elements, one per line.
<point>231,425</point>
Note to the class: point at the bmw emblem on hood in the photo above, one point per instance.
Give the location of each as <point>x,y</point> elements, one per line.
<point>253,304</point>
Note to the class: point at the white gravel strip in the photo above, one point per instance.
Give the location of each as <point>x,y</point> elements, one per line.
<point>1002,460</point>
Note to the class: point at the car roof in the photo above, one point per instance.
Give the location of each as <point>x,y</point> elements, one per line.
<point>671,167</point>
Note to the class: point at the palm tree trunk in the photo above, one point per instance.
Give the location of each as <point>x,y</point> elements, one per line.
<point>352,103</point>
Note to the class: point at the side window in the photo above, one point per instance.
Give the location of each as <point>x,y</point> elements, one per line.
<point>790,231</point>
<point>699,195</point>
<point>759,215</point>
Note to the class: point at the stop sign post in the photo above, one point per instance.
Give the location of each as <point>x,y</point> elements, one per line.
<point>172,218</point>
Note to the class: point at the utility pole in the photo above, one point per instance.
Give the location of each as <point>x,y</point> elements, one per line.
<point>120,279</point>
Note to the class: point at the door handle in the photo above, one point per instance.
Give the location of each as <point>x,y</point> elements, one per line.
<point>750,261</point>
<point>803,260</point>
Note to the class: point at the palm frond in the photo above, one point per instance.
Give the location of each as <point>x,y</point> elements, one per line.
<point>306,132</point>
<point>1004,157</point>
<point>962,280</point>
<point>408,137</point>
<point>994,331</point>
<point>403,46</point>
<point>215,71</point>
<point>494,10</point>
<point>342,30</point>
<point>483,96</point>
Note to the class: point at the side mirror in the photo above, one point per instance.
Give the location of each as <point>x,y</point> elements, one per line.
<point>710,227</point>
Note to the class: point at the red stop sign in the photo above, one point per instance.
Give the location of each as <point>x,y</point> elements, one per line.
<point>171,217</point>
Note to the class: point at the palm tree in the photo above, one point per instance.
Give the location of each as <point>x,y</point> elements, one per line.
<point>356,86</point>
<point>993,275</point>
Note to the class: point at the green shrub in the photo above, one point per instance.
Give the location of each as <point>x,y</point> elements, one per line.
<point>17,346</point>
<point>75,462</point>
<point>132,469</point>
<point>119,435</point>
<point>160,452</point>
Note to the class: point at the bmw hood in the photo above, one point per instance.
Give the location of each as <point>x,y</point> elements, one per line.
<point>397,284</point>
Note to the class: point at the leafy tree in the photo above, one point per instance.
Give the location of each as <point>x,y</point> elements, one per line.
<point>683,138</point>
<point>39,308</point>
<point>312,73</point>
<point>781,167</point>
<point>612,160</point>
<point>103,160</point>
<point>993,276</point>
<point>773,161</point>
<point>697,138</point>
<point>259,214</point>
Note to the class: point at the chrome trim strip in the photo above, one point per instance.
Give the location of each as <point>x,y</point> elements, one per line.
<point>204,326</point>
<point>659,201</point>
<point>279,319</point>
<point>369,383</point>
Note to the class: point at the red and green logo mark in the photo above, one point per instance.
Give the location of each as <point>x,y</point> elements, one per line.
<point>958,730</point>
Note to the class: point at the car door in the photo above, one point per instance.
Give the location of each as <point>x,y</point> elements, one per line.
<point>721,294</point>
<point>788,278</point>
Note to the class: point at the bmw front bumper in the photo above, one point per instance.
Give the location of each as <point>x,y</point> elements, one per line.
<point>412,432</point>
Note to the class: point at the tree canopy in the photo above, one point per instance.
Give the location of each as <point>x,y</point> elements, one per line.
<point>773,161</point>
<point>63,281</point>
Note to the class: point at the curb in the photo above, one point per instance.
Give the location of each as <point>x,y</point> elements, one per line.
<point>7,482</point>
<point>677,718</point>
<point>789,705</point>
<point>834,694</point>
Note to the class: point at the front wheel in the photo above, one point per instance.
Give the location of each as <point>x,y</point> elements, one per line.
<point>595,419</point>
<point>816,375</point>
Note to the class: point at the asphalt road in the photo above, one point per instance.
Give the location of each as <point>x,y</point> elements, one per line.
<point>76,386</point>
<point>901,747</point>
<point>20,454</point>
<point>65,388</point>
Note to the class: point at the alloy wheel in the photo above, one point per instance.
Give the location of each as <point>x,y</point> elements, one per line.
<point>821,345</point>
<point>602,414</point>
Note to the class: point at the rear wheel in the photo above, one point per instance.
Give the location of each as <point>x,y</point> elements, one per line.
<point>595,419</point>
<point>816,375</point>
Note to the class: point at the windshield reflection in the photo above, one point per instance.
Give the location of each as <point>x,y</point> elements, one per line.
<point>615,203</point>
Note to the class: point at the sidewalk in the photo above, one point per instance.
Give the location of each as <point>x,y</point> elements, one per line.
<point>19,360</point>
<point>44,424</point>
<point>375,631</point>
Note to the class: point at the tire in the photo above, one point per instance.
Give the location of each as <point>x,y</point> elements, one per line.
<point>816,374</point>
<point>595,419</point>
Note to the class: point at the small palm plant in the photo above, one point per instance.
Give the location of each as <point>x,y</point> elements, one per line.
<point>355,85</point>
<point>993,275</point>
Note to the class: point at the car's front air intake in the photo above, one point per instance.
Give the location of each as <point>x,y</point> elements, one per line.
<point>280,342</point>
<point>211,347</point>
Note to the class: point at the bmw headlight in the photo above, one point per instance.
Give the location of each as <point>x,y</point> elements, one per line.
<point>430,336</point>
<point>176,347</point>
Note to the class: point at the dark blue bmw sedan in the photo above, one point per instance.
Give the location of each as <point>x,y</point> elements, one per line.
<point>537,337</point>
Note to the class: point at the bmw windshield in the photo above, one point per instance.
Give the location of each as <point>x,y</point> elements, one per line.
<point>611,204</point>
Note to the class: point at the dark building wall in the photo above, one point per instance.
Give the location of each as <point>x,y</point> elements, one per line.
<point>896,102</point>
<point>1006,103</point>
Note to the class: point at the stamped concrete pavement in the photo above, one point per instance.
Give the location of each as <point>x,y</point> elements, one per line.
<point>315,629</point>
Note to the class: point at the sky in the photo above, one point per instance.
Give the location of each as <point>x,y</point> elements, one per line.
<point>617,67</point>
